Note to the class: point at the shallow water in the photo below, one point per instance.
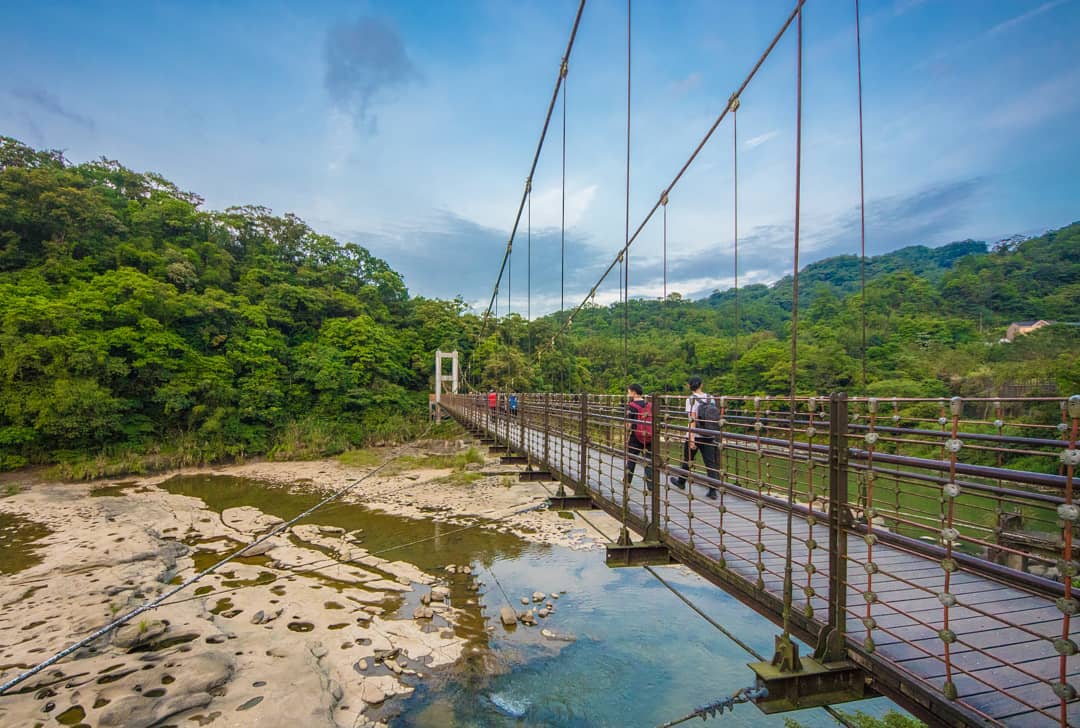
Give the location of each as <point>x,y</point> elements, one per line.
<point>17,537</point>
<point>641,656</point>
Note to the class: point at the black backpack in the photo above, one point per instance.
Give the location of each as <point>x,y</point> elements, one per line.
<point>708,418</point>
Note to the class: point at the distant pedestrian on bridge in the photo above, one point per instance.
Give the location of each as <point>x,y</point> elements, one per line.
<point>493,401</point>
<point>699,437</point>
<point>639,434</point>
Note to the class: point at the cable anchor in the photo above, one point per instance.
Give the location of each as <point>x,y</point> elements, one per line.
<point>733,103</point>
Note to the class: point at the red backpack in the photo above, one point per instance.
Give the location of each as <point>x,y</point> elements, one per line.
<point>643,423</point>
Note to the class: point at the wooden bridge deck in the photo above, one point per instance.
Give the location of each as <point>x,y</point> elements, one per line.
<point>1011,651</point>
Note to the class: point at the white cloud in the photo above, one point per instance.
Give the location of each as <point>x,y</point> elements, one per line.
<point>760,139</point>
<point>1013,22</point>
<point>547,205</point>
<point>1050,98</point>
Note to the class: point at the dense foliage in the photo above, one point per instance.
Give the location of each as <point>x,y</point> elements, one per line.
<point>139,330</point>
<point>132,321</point>
<point>934,320</point>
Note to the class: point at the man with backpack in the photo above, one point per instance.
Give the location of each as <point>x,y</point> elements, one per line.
<point>639,424</point>
<point>704,419</point>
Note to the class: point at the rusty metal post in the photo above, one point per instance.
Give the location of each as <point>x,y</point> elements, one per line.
<point>583,453</point>
<point>521,431</point>
<point>506,414</point>
<point>832,646</point>
<point>547,429</point>
<point>652,531</point>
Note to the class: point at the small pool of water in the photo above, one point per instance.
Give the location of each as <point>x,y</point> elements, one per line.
<point>17,536</point>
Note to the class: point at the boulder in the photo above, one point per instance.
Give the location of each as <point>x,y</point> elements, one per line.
<point>538,596</point>
<point>508,616</point>
<point>248,519</point>
<point>199,675</point>
<point>557,636</point>
<point>371,693</point>
<point>423,613</point>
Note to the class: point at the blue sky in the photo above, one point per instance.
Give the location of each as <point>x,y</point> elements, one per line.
<point>408,127</point>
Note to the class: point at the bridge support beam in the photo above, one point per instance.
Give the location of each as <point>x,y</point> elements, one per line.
<point>568,502</point>
<point>532,476</point>
<point>816,684</point>
<point>642,553</point>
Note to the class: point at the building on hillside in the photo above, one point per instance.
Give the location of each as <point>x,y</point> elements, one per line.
<point>1023,328</point>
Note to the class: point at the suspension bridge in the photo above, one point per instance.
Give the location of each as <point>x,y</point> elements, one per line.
<point>915,569</point>
<point>923,548</point>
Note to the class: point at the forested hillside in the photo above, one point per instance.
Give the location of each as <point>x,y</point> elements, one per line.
<point>133,322</point>
<point>934,318</point>
<point>138,330</point>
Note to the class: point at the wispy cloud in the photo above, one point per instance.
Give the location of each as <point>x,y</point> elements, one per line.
<point>444,255</point>
<point>1013,22</point>
<point>365,62</point>
<point>760,139</point>
<point>42,100</point>
<point>547,205</point>
<point>684,86</point>
<point>1053,97</point>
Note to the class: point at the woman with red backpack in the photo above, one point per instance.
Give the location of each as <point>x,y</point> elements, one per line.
<point>639,423</point>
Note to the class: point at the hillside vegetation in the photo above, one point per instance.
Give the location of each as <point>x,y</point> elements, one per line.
<point>132,322</point>
<point>138,330</point>
<point>934,318</point>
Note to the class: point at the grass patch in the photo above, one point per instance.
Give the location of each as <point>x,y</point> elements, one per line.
<point>305,439</point>
<point>455,461</point>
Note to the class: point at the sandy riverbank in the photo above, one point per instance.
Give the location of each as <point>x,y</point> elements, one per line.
<point>308,632</point>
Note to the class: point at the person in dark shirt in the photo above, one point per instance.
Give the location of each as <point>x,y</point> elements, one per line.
<point>638,442</point>
<point>697,439</point>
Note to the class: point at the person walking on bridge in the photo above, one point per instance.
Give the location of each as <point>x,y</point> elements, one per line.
<point>639,435</point>
<point>699,437</point>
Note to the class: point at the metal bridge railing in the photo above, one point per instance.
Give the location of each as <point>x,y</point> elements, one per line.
<point>934,538</point>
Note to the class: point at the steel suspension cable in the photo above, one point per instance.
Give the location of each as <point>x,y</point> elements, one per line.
<point>562,220</point>
<point>532,171</point>
<point>528,266</point>
<point>734,104</point>
<point>664,202</point>
<point>686,165</point>
<point>626,244</point>
<point>862,194</point>
<point>788,581</point>
<point>510,280</point>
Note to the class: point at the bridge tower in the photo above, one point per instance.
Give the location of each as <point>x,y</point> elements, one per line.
<point>442,378</point>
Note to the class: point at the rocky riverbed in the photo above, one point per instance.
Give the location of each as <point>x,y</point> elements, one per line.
<point>315,627</point>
